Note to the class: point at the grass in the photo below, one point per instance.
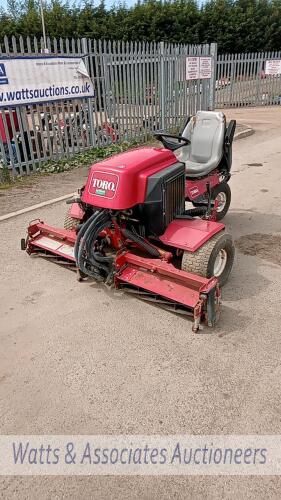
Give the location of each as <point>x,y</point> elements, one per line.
<point>85,159</point>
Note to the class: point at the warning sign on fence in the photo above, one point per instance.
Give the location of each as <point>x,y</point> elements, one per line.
<point>192,68</point>
<point>27,80</point>
<point>273,67</point>
<point>198,67</point>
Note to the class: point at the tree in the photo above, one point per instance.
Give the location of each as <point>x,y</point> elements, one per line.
<point>236,25</point>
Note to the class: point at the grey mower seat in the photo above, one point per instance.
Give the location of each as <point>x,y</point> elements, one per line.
<point>206,131</point>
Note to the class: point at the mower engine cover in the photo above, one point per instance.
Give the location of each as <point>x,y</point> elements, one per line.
<point>120,182</point>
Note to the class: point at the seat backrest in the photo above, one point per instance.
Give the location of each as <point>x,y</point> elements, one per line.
<point>206,131</point>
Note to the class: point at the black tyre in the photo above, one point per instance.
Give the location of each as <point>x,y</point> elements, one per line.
<point>222,193</point>
<point>214,258</point>
<point>70,222</point>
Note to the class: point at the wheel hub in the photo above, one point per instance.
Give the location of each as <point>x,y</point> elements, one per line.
<point>221,199</point>
<point>220,263</point>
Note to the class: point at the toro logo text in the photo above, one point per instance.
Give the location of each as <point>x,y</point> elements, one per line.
<point>104,184</point>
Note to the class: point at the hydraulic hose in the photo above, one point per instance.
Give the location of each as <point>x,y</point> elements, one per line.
<point>82,232</point>
<point>88,259</point>
<point>141,242</point>
<point>84,250</point>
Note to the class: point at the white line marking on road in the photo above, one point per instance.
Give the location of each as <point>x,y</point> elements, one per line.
<point>243,134</point>
<point>35,207</point>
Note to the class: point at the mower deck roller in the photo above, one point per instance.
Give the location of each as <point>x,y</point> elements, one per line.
<point>154,280</point>
<point>184,292</point>
<point>129,227</point>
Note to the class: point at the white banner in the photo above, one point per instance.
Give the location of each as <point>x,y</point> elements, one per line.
<point>140,455</point>
<point>273,67</point>
<point>198,68</point>
<point>28,80</point>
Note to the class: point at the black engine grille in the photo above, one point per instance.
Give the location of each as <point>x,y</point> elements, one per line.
<point>174,191</point>
<point>164,198</point>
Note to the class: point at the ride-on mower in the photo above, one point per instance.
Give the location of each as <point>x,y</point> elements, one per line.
<point>129,226</point>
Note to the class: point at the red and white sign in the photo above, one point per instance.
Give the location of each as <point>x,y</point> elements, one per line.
<point>103,184</point>
<point>192,68</point>
<point>273,67</point>
<point>198,68</point>
<point>205,67</point>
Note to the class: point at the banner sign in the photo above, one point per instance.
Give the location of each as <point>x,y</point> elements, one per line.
<point>198,68</point>
<point>31,80</point>
<point>273,67</point>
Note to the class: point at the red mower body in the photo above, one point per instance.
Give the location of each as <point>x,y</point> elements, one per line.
<point>195,188</point>
<point>76,211</point>
<point>108,180</point>
<point>134,231</point>
<point>120,182</point>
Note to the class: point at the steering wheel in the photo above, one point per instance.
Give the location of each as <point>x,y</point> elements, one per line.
<point>172,145</point>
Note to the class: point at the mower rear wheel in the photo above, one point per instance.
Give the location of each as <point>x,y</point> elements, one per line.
<point>70,222</point>
<point>214,258</point>
<point>222,193</point>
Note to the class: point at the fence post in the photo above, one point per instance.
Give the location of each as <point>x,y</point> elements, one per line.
<point>232,77</point>
<point>85,51</point>
<point>213,53</point>
<point>162,86</point>
<point>258,99</point>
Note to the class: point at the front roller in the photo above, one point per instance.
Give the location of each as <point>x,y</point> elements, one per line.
<point>159,281</point>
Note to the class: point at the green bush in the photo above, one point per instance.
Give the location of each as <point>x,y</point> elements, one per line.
<point>84,159</point>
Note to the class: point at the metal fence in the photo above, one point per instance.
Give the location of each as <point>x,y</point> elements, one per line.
<point>139,88</point>
<point>241,80</point>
